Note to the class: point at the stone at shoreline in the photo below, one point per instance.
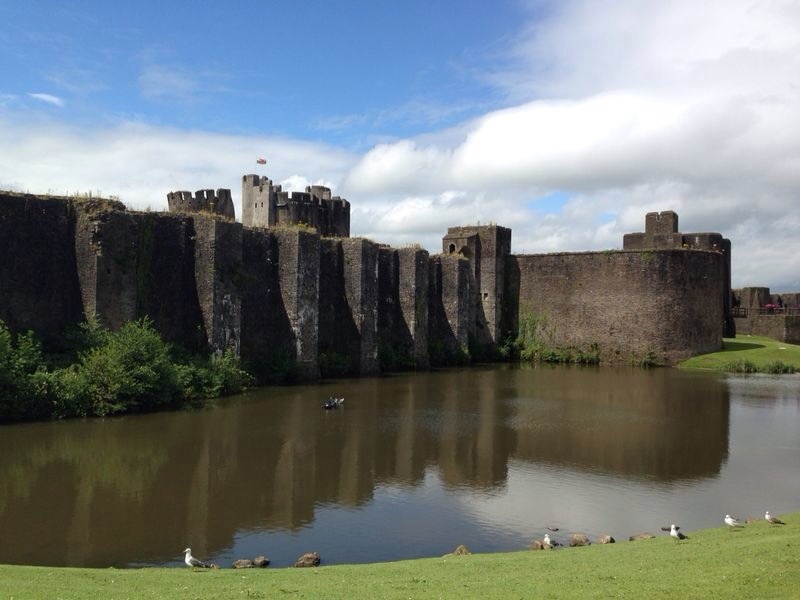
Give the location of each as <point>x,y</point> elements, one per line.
<point>579,539</point>
<point>537,545</point>
<point>605,539</point>
<point>261,562</point>
<point>246,563</point>
<point>243,563</point>
<point>641,536</point>
<point>309,559</point>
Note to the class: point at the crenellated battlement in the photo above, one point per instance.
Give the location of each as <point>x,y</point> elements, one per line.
<point>217,203</point>
<point>265,204</point>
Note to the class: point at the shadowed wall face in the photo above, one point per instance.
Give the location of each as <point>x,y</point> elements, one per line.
<point>38,273</point>
<point>361,290</point>
<point>218,272</point>
<point>298,272</point>
<point>451,320</point>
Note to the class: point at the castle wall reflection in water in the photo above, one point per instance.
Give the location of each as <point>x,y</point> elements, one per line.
<point>260,470</point>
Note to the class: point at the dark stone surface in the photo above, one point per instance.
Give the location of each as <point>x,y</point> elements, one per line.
<point>309,559</point>
<point>39,286</point>
<point>287,299</point>
<point>630,303</point>
<point>579,539</point>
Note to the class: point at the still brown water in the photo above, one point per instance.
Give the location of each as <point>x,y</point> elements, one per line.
<point>411,466</point>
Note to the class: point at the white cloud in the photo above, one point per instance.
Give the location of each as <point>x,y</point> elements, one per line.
<point>628,107</point>
<point>620,106</point>
<point>47,98</point>
<point>141,164</point>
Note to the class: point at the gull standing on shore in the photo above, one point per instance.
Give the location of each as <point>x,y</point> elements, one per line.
<point>673,531</point>
<point>191,561</point>
<point>773,520</point>
<point>732,522</point>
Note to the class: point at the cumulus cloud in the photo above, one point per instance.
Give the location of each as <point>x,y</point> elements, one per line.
<point>141,163</point>
<point>612,108</point>
<point>627,107</point>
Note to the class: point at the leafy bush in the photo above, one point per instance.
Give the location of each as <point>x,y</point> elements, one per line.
<point>131,370</point>
<point>20,360</point>
<point>741,366</point>
<point>778,367</point>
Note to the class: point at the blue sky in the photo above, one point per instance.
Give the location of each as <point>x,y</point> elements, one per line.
<point>350,73</point>
<point>566,120</point>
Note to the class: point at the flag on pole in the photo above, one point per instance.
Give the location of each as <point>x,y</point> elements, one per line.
<point>261,161</point>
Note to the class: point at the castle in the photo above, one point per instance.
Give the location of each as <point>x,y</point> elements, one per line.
<point>295,296</point>
<point>267,205</point>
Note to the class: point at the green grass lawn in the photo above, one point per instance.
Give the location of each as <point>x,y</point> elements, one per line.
<point>758,561</point>
<point>760,351</point>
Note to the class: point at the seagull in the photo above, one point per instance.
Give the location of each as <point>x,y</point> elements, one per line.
<point>548,543</point>
<point>773,520</point>
<point>732,522</point>
<point>673,531</point>
<point>191,561</point>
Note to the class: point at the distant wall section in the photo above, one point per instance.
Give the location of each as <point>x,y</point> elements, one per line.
<point>629,303</point>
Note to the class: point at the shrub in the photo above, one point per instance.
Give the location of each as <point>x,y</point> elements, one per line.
<point>778,367</point>
<point>741,366</point>
<point>131,371</point>
<point>20,359</point>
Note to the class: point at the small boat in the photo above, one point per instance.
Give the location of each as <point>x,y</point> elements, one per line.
<point>333,403</point>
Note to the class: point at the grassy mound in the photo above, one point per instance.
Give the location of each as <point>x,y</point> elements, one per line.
<point>749,354</point>
<point>757,561</point>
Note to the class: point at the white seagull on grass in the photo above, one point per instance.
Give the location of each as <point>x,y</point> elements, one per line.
<point>191,561</point>
<point>673,531</point>
<point>732,522</point>
<point>548,543</point>
<point>773,520</point>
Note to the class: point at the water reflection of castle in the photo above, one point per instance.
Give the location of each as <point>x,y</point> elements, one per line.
<point>269,464</point>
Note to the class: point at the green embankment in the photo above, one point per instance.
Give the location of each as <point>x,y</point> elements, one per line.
<point>757,561</point>
<point>761,352</point>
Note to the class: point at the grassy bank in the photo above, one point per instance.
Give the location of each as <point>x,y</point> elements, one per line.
<point>758,561</point>
<point>760,352</point>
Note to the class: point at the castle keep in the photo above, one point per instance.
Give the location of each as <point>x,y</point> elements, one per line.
<point>295,296</point>
<point>267,205</point>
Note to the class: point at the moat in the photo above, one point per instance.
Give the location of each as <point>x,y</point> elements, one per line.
<point>411,466</point>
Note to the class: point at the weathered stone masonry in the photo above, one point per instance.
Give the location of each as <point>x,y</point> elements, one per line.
<point>296,303</point>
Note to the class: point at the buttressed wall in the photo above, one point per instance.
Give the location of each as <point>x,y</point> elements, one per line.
<point>297,303</point>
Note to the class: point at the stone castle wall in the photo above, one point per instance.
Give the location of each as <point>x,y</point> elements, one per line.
<point>216,203</point>
<point>760,312</point>
<point>629,303</point>
<point>294,303</point>
<point>265,204</point>
<point>39,288</point>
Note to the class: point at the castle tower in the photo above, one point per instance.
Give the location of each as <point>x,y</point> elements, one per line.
<point>265,204</point>
<point>486,246</point>
<point>661,232</point>
<point>259,199</point>
<point>208,201</point>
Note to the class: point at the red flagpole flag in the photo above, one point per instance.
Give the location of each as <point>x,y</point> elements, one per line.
<point>261,161</point>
